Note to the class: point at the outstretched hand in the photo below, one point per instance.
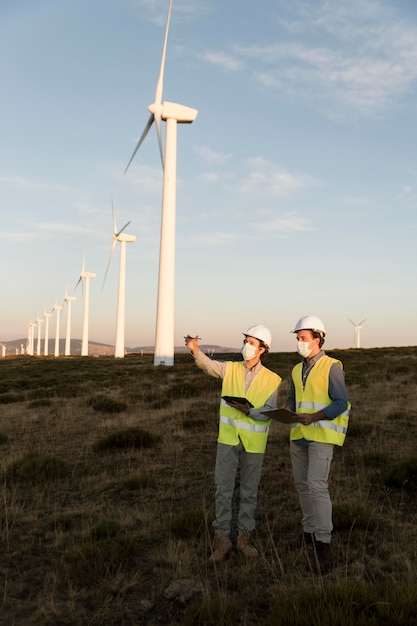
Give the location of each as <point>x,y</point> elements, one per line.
<point>192,343</point>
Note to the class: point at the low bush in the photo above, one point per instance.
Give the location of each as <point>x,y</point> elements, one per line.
<point>36,467</point>
<point>402,475</point>
<point>128,438</point>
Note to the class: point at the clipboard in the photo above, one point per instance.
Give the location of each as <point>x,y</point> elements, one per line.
<point>281,415</point>
<point>239,400</point>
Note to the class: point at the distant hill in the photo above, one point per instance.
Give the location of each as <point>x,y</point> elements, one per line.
<point>101,349</point>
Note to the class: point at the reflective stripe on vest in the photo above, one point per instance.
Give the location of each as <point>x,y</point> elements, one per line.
<point>316,390</point>
<point>239,424</point>
<point>234,426</point>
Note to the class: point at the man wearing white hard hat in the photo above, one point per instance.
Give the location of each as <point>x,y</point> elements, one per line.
<point>248,388</point>
<point>318,396</point>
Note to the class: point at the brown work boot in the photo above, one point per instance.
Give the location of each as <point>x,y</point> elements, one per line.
<point>222,547</point>
<point>244,546</point>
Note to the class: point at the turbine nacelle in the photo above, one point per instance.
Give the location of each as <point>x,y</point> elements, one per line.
<point>124,237</point>
<point>171,110</point>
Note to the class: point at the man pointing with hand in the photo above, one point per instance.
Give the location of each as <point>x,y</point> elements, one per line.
<point>243,434</point>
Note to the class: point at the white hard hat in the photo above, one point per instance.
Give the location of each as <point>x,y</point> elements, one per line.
<point>260,332</point>
<point>310,322</point>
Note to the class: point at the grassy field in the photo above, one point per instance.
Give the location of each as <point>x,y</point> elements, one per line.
<point>107,489</point>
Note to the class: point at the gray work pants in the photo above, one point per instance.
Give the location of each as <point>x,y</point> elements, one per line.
<point>228,460</point>
<point>311,468</point>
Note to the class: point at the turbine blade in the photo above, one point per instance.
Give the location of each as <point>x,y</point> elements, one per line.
<point>351,321</point>
<point>138,145</point>
<point>160,83</point>
<point>122,229</point>
<point>79,280</point>
<point>114,217</point>
<point>108,262</point>
<point>360,323</point>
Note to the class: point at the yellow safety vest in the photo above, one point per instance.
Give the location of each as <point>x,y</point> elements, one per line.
<point>314,397</point>
<point>234,425</point>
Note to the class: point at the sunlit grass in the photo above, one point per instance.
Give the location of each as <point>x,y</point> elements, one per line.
<point>107,499</point>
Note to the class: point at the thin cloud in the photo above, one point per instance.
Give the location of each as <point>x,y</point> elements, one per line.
<point>360,55</point>
<point>265,178</point>
<point>34,185</point>
<point>211,156</point>
<point>157,9</point>
<point>285,224</point>
<point>222,59</point>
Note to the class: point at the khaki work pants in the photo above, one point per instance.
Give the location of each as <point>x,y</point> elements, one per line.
<point>229,459</point>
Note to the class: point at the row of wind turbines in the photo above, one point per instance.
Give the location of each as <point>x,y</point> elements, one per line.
<point>119,236</point>
<point>172,114</point>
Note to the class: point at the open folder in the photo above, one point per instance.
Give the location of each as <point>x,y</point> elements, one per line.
<point>281,415</point>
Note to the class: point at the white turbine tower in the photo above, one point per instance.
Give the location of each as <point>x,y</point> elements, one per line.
<point>39,321</point>
<point>123,238</point>
<point>68,300</point>
<point>57,309</point>
<point>46,344</point>
<point>3,349</point>
<point>29,348</point>
<point>172,114</point>
<point>85,278</point>
<point>357,336</point>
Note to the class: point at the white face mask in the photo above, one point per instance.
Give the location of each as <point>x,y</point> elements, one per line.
<point>303,348</point>
<point>248,351</point>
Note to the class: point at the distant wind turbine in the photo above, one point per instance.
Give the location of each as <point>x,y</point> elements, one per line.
<point>357,336</point>
<point>57,309</point>
<point>3,349</point>
<point>46,344</point>
<point>123,238</point>
<point>172,114</point>
<point>38,345</point>
<point>29,346</point>
<point>68,300</point>
<point>85,277</point>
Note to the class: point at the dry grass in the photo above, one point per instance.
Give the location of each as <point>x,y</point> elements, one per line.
<point>107,491</point>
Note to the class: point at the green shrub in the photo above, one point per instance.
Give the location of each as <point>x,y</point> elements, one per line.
<point>194,424</point>
<point>9,398</point>
<point>36,467</point>
<point>133,483</point>
<point>352,515</point>
<point>105,530</point>
<point>188,524</point>
<point>209,611</point>
<point>375,459</point>
<point>106,405</point>
<point>403,475</point>
<point>41,402</point>
<point>128,438</point>
<point>85,565</point>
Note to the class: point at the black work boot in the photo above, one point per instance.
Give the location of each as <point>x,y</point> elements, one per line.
<point>309,538</point>
<point>323,554</point>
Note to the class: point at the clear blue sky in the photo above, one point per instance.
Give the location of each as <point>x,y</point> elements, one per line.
<point>297,183</point>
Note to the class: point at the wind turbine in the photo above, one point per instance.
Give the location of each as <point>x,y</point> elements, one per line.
<point>38,345</point>
<point>172,114</point>
<point>57,309</point>
<point>357,336</point>
<point>85,277</point>
<point>68,300</point>
<point>123,238</point>
<point>46,345</point>
<point>3,349</point>
<point>29,348</point>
